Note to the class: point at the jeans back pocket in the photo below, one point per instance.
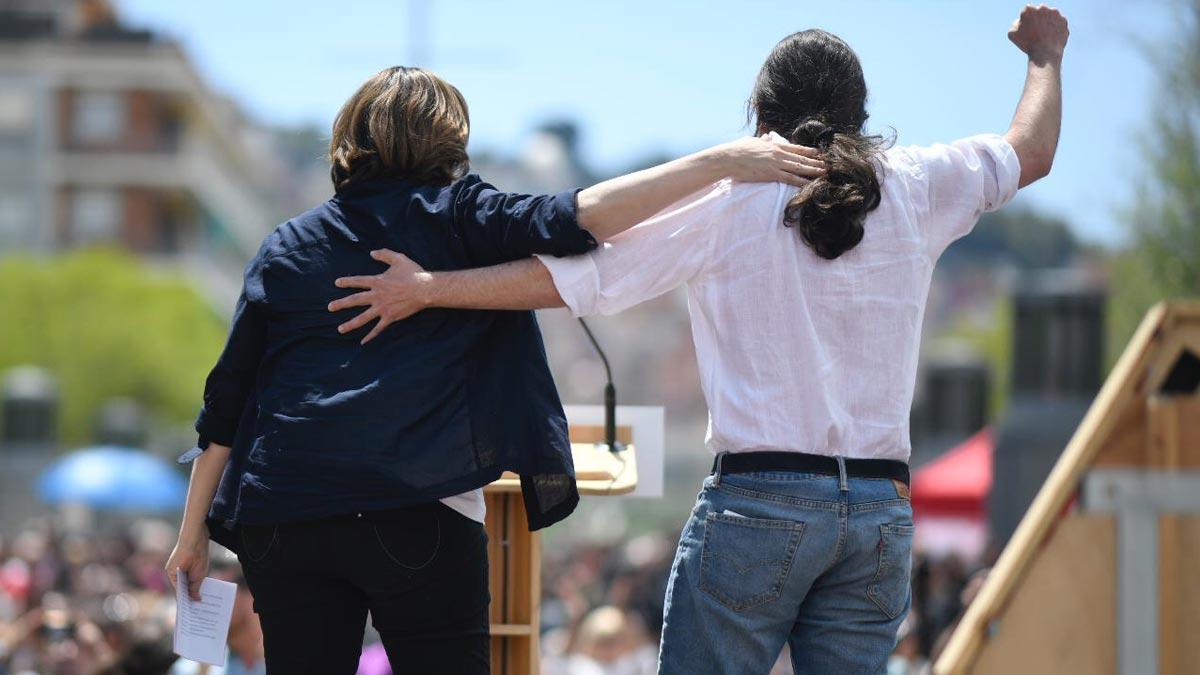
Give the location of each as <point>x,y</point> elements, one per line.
<point>745,561</point>
<point>891,586</point>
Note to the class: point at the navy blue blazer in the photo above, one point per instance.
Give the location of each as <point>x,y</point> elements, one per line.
<point>437,404</point>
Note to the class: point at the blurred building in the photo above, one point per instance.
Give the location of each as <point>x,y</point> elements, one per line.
<point>29,403</point>
<point>950,403</point>
<point>1058,366</point>
<point>549,161</point>
<point>108,135</point>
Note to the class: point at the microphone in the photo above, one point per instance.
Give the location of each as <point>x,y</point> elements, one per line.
<point>610,396</point>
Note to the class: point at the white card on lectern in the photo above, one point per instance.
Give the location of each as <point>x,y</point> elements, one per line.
<point>202,626</point>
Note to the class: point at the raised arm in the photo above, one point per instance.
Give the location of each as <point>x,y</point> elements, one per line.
<point>1041,32</point>
<point>609,208</point>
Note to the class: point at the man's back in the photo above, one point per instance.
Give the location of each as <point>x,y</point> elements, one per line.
<point>797,352</point>
<point>819,355</point>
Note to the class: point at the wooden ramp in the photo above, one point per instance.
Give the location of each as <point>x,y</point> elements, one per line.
<point>1103,573</point>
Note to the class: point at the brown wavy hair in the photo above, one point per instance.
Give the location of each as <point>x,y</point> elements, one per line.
<point>404,123</point>
<point>811,90</point>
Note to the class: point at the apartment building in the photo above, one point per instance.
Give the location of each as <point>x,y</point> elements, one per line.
<point>109,136</point>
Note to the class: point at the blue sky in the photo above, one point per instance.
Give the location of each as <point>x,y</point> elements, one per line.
<point>647,77</point>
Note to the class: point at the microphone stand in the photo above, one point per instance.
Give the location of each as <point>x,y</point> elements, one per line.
<point>610,396</point>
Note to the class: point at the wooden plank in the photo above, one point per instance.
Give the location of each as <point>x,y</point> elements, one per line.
<point>497,553</point>
<point>1187,583</point>
<point>511,629</point>
<point>594,433</point>
<point>1189,432</point>
<point>535,603</point>
<point>1125,446</point>
<point>1076,632</point>
<point>1122,387</point>
<point>1162,447</point>
<point>515,585</point>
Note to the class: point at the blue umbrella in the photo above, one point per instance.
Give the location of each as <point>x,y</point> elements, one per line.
<point>114,478</point>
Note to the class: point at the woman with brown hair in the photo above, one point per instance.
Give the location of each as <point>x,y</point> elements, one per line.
<point>346,475</point>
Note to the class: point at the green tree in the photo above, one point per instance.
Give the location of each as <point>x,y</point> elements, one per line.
<point>108,325</point>
<point>1163,257</point>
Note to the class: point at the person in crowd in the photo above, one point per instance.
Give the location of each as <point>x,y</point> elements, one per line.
<point>609,643</point>
<point>906,658</point>
<point>344,467</point>
<point>806,307</point>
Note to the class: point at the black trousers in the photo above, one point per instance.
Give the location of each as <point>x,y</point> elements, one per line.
<point>421,573</point>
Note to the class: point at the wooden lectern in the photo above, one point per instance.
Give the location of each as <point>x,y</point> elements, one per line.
<point>515,553</point>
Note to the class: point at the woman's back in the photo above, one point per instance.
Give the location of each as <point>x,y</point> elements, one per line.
<point>321,425</point>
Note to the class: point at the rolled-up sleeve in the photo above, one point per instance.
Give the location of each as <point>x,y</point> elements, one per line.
<point>652,258</point>
<point>498,227</point>
<point>966,178</point>
<point>231,382</point>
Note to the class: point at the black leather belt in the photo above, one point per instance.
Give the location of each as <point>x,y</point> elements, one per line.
<point>751,462</point>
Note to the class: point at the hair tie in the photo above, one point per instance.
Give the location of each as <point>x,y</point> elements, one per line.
<point>814,132</point>
<point>825,138</point>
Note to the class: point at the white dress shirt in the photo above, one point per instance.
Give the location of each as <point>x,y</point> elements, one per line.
<point>798,353</point>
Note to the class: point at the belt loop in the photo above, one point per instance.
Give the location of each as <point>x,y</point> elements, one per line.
<point>843,485</point>
<point>717,470</point>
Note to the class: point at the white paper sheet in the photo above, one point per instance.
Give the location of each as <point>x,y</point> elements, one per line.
<point>202,627</point>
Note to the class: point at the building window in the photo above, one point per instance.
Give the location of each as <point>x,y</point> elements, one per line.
<point>96,215</point>
<point>17,120</point>
<point>16,110</point>
<point>98,117</point>
<point>16,216</point>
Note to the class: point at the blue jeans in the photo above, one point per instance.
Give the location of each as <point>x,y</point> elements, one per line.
<point>820,562</point>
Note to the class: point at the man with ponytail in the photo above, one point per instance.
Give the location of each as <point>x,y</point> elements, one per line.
<point>806,306</point>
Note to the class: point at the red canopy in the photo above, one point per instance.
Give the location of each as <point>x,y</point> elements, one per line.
<point>958,482</point>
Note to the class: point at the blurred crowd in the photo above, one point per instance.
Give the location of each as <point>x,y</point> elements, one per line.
<point>97,602</point>
<point>602,609</point>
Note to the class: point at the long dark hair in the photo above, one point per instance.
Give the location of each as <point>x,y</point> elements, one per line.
<point>811,91</point>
